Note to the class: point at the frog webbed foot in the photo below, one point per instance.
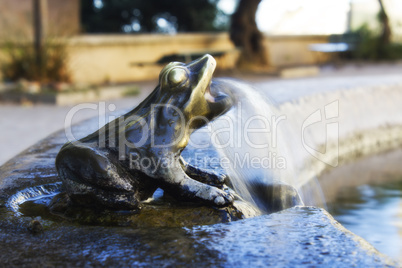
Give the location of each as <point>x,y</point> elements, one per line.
<point>208,194</point>
<point>204,176</point>
<point>223,199</point>
<point>184,187</point>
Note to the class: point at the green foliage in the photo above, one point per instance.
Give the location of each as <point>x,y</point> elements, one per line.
<point>108,16</point>
<point>368,44</point>
<point>23,62</point>
<point>371,47</point>
<point>132,91</point>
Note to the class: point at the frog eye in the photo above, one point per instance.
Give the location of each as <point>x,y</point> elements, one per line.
<point>177,76</point>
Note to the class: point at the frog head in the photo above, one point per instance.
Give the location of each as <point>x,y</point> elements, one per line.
<point>189,90</point>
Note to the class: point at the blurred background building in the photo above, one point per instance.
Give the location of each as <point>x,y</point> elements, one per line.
<point>121,41</point>
<point>16,18</point>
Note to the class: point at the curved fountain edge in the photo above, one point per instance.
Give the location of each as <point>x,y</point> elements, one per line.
<point>369,122</point>
<point>35,166</point>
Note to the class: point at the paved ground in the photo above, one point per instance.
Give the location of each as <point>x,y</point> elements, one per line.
<point>23,126</point>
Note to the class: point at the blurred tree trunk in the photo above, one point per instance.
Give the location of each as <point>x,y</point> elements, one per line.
<point>385,37</point>
<point>40,27</point>
<point>244,33</point>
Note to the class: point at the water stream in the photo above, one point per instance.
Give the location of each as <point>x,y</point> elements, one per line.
<point>258,147</point>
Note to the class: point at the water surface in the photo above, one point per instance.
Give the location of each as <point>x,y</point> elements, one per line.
<point>374,212</point>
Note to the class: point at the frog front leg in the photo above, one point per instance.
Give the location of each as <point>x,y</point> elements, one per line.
<point>178,184</point>
<point>202,175</point>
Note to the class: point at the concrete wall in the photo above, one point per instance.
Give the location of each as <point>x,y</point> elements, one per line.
<point>121,58</point>
<point>294,50</point>
<point>16,20</point>
<point>124,58</point>
<point>115,58</point>
<point>64,17</point>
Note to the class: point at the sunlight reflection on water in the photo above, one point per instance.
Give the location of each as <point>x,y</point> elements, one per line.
<point>373,212</point>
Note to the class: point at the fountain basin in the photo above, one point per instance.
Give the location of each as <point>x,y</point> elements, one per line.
<point>297,236</point>
<point>302,236</point>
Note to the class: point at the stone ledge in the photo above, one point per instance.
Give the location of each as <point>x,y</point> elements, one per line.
<point>301,236</point>
<point>296,72</point>
<point>69,97</point>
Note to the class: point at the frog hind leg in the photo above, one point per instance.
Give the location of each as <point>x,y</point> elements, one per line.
<point>92,180</point>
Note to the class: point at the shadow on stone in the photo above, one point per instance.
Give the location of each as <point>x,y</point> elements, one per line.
<point>160,211</point>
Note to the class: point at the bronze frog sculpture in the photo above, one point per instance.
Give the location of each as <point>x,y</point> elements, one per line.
<point>124,162</point>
